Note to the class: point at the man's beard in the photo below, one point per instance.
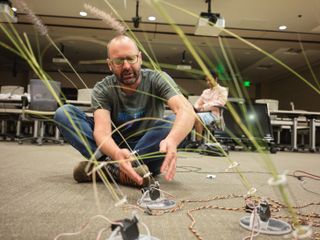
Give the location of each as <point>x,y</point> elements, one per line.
<point>128,77</point>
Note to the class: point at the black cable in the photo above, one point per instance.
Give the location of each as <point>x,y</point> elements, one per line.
<point>305,175</point>
<point>193,169</point>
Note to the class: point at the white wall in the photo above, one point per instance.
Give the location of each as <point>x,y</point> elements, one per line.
<point>292,89</point>
<point>6,78</point>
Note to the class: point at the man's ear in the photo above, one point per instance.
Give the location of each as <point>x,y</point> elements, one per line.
<point>140,56</point>
<point>109,65</point>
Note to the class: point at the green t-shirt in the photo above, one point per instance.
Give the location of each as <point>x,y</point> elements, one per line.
<point>152,93</point>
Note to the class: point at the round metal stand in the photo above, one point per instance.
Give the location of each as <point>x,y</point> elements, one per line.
<point>271,227</point>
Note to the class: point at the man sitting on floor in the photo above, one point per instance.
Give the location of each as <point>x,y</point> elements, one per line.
<point>130,100</point>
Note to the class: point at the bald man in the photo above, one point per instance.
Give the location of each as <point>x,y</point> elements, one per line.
<point>128,117</point>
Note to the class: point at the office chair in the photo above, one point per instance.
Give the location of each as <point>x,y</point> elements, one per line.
<point>215,146</point>
<point>40,112</point>
<point>210,146</point>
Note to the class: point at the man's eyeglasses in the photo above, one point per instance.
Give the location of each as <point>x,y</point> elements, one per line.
<point>120,61</point>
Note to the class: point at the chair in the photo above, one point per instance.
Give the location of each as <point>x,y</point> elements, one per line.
<point>12,90</point>
<point>209,145</point>
<point>40,111</point>
<point>84,97</point>
<point>84,94</point>
<point>214,146</point>
<point>10,97</point>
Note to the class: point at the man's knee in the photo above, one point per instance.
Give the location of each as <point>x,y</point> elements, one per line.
<point>61,113</point>
<point>167,121</point>
<point>171,117</point>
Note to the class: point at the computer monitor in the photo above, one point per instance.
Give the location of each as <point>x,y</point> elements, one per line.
<point>253,117</point>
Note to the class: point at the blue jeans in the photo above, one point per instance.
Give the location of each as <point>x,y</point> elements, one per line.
<point>207,117</point>
<point>147,143</point>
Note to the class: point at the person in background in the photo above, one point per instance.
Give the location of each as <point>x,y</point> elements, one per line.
<point>132,99</point>
<point>207,105</point>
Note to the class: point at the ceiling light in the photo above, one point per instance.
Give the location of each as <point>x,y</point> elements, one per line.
<point>14,9</point>
<point>83,14</point>
<point>152,18</point>
<point>282,27</point>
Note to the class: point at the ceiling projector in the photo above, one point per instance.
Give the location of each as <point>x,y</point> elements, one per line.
<point>6,13</point>
<point>209,24</point>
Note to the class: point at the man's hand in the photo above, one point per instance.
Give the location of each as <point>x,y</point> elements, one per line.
<point>169,164</point>
<point>124,157</point>
<point>200,109</point>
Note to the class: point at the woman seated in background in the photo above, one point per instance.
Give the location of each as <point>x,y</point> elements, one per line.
<point>207,105</point>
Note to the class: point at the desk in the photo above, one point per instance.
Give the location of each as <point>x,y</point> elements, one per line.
<point>10,110</point>
<point>10,103</point>
<point>79,103</point>
<point>6,115</point>
<point>293,119</point>
<point>295,113</point>
<point>84,106</point>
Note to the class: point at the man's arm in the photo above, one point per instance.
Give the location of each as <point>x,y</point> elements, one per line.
<point>102,135</point>
<point>185,117</point>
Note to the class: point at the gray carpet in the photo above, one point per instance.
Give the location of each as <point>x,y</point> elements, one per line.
<point>39,198</point>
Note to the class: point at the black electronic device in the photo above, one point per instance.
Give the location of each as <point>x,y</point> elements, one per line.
<point>260,220</point>
<point>128,228</point>
<point>154,191</point>
<point>253,118</point>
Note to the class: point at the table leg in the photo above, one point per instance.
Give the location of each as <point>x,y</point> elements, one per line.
<point>294,134</point>
<point>312,135</point>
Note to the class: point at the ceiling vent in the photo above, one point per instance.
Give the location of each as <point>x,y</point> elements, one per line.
<point>60,59</point>
<point>293,51</point>
<point>184,65</point>
<point>266,66</point>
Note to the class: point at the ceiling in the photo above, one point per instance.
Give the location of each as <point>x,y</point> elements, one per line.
<point>255,21</point>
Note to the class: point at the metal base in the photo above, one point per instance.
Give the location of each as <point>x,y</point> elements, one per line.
<point>141,237</point>
<point>273,227</point>
<point>160,203</point>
